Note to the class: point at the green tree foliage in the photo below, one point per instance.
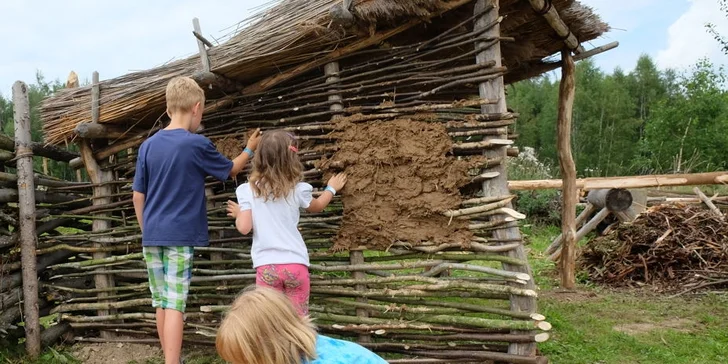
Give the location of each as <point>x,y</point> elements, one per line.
<point>689,132</point>
<point>37,91</point>
<point>712,29</point>
<point>644,121</point>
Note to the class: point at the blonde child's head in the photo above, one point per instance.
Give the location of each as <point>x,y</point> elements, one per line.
<point>276,167</point>
<point>262,327</point>
<point>184,96</point>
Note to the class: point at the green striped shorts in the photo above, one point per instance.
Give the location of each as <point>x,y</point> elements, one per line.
<point>170,271</point>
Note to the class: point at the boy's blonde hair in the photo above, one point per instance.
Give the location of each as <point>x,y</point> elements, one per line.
<point>262,327</point>
<point>182,94</point>
<point>276,167</point>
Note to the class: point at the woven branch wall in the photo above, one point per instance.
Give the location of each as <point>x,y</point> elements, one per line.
<point>404,261</point>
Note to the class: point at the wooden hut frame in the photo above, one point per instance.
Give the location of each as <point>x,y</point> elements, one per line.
<point>298,66</point>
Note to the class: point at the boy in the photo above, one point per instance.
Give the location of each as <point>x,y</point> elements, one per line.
<point>169,201</point>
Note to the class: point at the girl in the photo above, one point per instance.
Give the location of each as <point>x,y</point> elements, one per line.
<point>269,205</point>
<point>262,327</point>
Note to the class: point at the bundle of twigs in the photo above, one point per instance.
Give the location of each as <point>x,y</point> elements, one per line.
<point>672,247</point>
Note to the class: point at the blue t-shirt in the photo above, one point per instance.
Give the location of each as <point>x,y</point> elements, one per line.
<point>333,351</point>
<point>170,171</point>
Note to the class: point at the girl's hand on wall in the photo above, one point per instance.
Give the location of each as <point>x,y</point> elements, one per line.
<point>233,209</point>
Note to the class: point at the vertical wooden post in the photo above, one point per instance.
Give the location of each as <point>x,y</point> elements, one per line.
<point>498,186</point>
<point>331,70</point>
<point>101,192</point>
<point>568,172</point>
<point>72,82</point>
<point>26,218</point>
<point>214,256</point>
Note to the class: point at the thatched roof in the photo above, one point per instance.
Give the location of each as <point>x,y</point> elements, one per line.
<point>294,32</point>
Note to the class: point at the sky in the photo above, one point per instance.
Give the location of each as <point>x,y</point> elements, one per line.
<point>118,37</point>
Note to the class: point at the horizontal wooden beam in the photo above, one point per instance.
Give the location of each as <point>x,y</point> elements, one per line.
<point>691,179</point>
<point>99,131</point>
<point>546,9</point>
<point>213,81</point>
<point>40,149</point>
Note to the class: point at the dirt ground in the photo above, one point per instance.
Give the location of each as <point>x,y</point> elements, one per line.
<point>400,181</point>
<point>115,353</point>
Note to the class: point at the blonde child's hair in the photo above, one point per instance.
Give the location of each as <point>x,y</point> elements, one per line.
<point>262,327</point>
<point>276,167</point>
<point>182,94</point>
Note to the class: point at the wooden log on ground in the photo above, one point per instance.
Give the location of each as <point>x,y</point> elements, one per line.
<point>690,179</point>
<point>614,199</point>
<point>26,218</point>
<point>50,335</point>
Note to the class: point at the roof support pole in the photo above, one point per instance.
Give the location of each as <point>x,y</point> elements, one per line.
<point>494,89</point>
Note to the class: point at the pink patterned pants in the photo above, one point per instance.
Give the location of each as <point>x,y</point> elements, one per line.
<point>291,279</point>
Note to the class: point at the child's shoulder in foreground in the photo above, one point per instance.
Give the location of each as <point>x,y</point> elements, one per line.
<point>334,351</point>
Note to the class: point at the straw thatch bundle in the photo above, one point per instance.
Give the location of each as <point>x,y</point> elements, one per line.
<point>294,32</point>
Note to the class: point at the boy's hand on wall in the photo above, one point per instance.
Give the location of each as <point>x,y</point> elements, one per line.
<point>254,140</point>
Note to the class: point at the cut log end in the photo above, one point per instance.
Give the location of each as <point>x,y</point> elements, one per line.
<point>543,325</point>
<point>541,337</point>
<point>538,317</point>
<point>523,276</point>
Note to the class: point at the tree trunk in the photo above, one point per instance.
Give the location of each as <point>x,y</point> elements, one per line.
<point>568,172</point>
<point>26,218</point>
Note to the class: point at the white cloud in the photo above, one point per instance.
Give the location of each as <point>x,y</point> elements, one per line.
<point>113,38</point>
<point>688,40</point>
<point>625,15</point>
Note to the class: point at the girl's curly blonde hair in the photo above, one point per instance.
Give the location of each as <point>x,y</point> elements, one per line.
<point>262,327</point>
<point>276,167</point>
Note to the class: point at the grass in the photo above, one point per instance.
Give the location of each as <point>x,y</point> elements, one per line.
<point>591,325</point>
<point>599,325</point>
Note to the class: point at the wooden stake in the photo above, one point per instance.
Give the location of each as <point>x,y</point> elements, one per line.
<point>494,89</point>
<point>26,214</point>
<point>201,46</point>
<point>708,202</point>
<point>568,172</point>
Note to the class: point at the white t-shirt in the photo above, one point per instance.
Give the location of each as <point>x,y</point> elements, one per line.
<point>276,239</point>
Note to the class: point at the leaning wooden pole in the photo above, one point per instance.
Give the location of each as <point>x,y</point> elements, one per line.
<point>26,218</point>
<point>568,172</point>
<point>494,89</point>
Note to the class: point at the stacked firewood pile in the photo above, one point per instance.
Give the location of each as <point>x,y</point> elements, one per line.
<point>674,247</point>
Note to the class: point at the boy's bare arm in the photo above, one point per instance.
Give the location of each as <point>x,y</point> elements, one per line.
<point>241,160</point>
<point>138,200</point>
